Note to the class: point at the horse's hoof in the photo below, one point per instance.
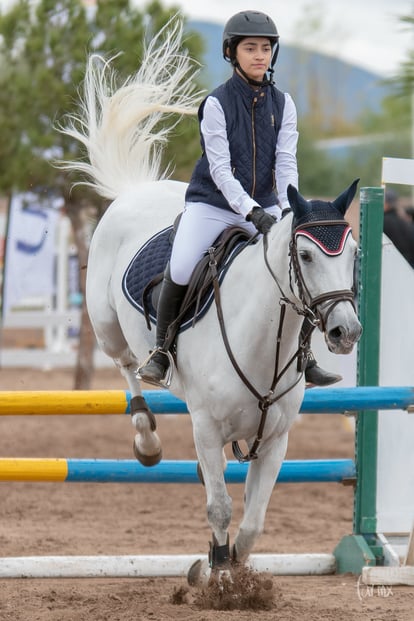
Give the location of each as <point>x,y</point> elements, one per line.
<point>147,460</point>
<point>199,574</point>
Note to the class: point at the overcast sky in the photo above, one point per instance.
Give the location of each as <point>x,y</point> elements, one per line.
<point>366,32</point>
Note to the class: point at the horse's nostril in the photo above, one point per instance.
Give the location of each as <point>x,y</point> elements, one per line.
<point>335,333</point>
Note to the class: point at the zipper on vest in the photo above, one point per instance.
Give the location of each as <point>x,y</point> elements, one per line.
<point>253,148</point>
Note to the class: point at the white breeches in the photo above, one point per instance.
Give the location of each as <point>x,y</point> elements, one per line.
<point>199,227</point>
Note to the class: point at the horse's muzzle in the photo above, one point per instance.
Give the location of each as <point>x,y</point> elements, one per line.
<point>341,338</point>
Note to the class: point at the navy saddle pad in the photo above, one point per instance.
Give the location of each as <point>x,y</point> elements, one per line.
<point>148,263</point>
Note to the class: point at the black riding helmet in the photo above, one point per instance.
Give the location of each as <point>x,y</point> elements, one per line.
<point>249,24</point>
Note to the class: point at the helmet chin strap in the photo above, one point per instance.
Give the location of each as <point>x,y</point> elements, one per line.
<point>267,81</point>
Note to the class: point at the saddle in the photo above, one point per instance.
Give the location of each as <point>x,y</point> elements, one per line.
<point>223,252</point>
<point>142,280</point>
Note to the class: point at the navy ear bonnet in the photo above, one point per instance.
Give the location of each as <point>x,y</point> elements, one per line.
<point>331,239</point>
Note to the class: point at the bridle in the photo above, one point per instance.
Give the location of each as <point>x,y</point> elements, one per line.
<point>316,309</point>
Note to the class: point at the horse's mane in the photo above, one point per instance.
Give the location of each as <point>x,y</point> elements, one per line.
<point>120,127</point>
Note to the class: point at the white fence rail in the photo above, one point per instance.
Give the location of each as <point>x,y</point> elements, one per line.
<point>59,349</point>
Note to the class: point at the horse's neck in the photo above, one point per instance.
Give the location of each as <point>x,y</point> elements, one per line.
<point>275,253</point>
<point>278,252</point>
<point>251,295</point>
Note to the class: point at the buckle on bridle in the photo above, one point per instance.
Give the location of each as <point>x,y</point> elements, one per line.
<point>313,318</point>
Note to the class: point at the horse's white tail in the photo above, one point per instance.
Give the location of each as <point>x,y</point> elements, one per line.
<point>120,128</point>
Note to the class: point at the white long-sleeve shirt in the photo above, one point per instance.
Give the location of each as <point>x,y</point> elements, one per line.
<point>213,129</point>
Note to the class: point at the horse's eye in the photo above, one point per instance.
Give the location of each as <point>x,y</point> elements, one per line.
<point>306,256</point>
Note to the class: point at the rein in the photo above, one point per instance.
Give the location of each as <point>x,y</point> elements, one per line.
<point>264,401</point>
<point>309,309</point>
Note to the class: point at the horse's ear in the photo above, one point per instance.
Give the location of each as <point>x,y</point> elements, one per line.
<point>300,205</point>
<point>345,199</point>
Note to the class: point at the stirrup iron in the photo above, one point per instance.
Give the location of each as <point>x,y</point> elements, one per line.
<point>166,382</point>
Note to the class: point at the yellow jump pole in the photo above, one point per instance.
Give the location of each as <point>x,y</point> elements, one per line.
<point>33,469</point>
<point>64,402</point>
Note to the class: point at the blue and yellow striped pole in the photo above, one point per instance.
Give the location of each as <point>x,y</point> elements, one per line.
<point>43,402</point>
<point>316,401</point>
<point>185,471</point>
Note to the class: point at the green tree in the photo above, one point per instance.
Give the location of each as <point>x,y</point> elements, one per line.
<point>405,79</point>
<point>43,52</point>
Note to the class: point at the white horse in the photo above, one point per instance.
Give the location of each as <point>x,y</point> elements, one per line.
<point>301,268</point>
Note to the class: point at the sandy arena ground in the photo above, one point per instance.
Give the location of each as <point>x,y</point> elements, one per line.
<point>91,519</point>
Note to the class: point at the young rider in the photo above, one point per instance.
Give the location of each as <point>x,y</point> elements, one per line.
<point>248,131</point>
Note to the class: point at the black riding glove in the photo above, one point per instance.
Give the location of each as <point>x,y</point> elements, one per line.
<point>262,220</point>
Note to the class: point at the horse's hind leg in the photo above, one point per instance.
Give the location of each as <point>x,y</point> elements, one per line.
<point>147,444</point>
<point>260,481</point>
<point>105,319</point>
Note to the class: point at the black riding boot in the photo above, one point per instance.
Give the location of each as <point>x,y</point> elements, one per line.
<point>313,373</point>
<point>169,303</point>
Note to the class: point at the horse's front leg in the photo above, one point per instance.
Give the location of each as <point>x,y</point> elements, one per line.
<point>260,481</point>
<point>219,508</point>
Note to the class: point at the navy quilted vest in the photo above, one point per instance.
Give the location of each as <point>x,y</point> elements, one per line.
<point>253,120</point>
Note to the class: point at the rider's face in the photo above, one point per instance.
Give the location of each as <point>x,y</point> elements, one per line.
<point>254,55</point>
